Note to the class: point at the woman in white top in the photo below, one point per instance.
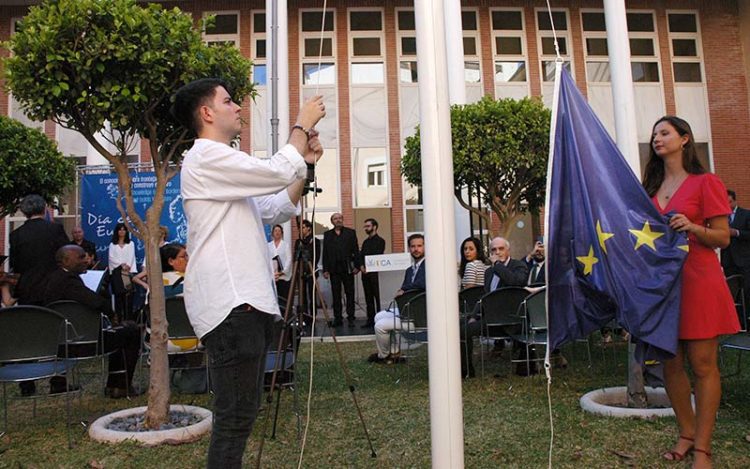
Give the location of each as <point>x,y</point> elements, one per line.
<point>281,261</point>
<point>473,264</point>
<point>121,267</point>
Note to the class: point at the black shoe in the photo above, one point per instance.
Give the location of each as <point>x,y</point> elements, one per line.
<point>28,388</point>
<point>373,358</point>
<point>335,323</point>
<point>61,389</point>
<point>119,393</point>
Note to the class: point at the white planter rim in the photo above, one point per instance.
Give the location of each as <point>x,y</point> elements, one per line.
<point>597,402</point>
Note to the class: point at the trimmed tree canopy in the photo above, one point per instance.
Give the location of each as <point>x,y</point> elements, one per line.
<point>500,146</point>
<point>31,164</point>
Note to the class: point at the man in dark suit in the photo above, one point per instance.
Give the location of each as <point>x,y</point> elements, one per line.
<point>535,263</point>
<point>387,321</point>
<point>303,252</point>
<point>341,263</point>
<point>374,245</point>
<point>65,283</point>
<point>32,250</point>
<point>503,272</point>
<point>735,259</point>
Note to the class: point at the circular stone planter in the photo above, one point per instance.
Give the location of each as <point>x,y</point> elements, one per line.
<point>611,402</point>
<point>99,431</point>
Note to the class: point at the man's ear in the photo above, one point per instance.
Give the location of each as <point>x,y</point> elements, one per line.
<point>206,114</point>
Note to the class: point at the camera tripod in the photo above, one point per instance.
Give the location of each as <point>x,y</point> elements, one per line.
<point>302,272</point>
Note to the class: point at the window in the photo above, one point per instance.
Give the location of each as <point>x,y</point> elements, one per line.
<point>370,177</point>
<point>260,75</point>
<point>686,48</point>
<point>472,62</point>
<point>547,41</point>
<point>508,36</point>
<point>376,175</point>
<point>223,28</point>
<point>366,47</point>
<point>313,49</point>
<point>407,46</point>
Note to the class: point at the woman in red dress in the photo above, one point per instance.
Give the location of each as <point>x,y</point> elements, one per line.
<point>678,183</point>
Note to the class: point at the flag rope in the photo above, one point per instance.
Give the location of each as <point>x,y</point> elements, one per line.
<point>554,33</point>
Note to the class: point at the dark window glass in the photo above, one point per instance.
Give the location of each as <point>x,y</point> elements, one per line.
<point>593,21</point>
<point>366,46</point>
<point>687,72</point>
<point>469,20</point>
<point>548,46</point>
<point>311,20</point>
<point>508,46</point>
<point>223,24</point>
<point>682,23</point>
<point>312,47</point>
<point>366,21</point>
<point>408,46</point>
<point>596,46</point>
<point>510,20</point>
<point>684,48</point>
<point>645,72</point>
<point>406,21</point>
<point>641,47</point>
<point>260,48</point>
<point>640,22</point>
<point>259,23</point>
<point>559,17</point>
<point>470,46</point>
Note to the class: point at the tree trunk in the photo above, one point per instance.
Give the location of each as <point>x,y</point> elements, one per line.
<point>636,389</point>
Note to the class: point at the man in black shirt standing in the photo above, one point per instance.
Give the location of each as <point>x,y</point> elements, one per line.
<point>86,245</point>
<point>341,263</point>
<point>303,254</point>
<point>372,246</point>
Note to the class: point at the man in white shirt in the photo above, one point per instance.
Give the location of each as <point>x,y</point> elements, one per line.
<point>229,294</point>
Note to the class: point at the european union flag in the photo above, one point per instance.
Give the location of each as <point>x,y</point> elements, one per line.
<point>611,255</point>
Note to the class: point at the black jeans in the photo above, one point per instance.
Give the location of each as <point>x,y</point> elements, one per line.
<point>236,356</point>
<point>371,285</point>
<point>348,281</point>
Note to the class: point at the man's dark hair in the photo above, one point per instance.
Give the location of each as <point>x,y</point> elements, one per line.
<point>168,252</point>
<point>192,96</point>
<point>33,204</point>
<point>373,221</point>
<point>307,223</point>
<point>732,194</point>
<point>414,236</point>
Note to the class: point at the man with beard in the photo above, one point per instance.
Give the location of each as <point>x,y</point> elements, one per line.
<point>372,246</point>
<point>340,265</point>
<point>535,263</point>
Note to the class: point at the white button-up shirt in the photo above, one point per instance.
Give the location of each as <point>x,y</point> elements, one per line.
<point>227,196</point>
<point>285,259</point>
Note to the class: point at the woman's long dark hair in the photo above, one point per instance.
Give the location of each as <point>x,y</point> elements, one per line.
<point>654,174</point>
<point>480,253</point>
<point>115,238</point>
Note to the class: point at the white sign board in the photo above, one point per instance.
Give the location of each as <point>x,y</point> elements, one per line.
<point>388,262</point>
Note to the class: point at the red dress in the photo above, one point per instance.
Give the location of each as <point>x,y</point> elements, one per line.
<point>707,308</point>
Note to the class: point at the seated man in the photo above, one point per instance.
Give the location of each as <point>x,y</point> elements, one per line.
<point>65,284</point>
<point>387,321</point>
<point>504,272</point>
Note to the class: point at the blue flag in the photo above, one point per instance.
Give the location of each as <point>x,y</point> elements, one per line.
<point>611,254</point>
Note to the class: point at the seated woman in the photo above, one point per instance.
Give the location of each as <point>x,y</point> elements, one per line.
<point>473,264</point>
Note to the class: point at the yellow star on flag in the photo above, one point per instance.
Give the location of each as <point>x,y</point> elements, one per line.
<point>588,261</point>
<point>684,247</point>
<point>646,236</point>
<point>603,236</point>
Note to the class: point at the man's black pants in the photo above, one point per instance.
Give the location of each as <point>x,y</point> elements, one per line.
<point>371,285</point>
<point>347,280</point>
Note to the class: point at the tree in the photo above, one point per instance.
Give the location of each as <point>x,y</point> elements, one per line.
<point>500,147</point>
<point>109,68</point>
<point>31,164</point>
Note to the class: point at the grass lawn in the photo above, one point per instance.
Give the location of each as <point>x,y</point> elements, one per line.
<point>505,420</point>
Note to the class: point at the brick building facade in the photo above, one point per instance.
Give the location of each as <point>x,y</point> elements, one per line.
<point>689,57</point>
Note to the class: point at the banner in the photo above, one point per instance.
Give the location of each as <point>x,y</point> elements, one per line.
<point>99,213</point>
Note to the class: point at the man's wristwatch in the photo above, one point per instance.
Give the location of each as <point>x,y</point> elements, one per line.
<point>306,131</point>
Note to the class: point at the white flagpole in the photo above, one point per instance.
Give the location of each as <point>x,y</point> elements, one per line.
<point>446,413</point>
<point>622,82</point>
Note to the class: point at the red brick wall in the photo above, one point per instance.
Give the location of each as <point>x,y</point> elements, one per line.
<point>394,138</point>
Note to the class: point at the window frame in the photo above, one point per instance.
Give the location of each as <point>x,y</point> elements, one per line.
<point>216,38</point>
<point>372,34</point>
<point>541,34</point>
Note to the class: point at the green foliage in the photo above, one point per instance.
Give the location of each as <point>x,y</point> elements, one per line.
<point>499,145</point>
<point>84,62</point>
<point>31,164</point>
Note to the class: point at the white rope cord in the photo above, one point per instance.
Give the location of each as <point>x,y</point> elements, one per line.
<point>313,300</point>
<point>554,33</point>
